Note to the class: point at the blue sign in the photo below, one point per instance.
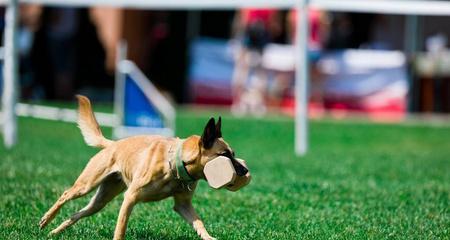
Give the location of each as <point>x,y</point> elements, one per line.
<point>139,111</point>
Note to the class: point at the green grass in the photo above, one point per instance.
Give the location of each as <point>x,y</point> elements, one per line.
<point>359,181</point>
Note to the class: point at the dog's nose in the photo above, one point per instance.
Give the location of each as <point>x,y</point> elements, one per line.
<point>240,169</point>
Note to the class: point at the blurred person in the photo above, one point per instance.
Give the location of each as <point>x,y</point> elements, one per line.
<point>29,22</point>
<point>319,33</point>
<point>436,44</point>
<point>53,52</point>
<point>253,30</point>
<point>318,27</point>
<point>67,55</point>
<point>61,35</point>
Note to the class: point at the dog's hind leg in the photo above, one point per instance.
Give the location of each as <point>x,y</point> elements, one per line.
<point>109,188</point>
<point>93,174</point>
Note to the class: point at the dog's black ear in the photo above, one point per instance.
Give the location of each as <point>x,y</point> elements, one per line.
<point>219,128</point>
<point>209,134</point>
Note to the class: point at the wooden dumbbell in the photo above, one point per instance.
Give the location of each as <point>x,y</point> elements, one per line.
<point>220,172</point>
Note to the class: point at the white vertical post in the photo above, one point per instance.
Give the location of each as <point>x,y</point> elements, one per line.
<point>301,79</point>
<point>10,75</point>
<point>119,88</point>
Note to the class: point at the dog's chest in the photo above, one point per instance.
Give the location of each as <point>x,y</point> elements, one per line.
<point>162,183</point>
<point>158,191</point>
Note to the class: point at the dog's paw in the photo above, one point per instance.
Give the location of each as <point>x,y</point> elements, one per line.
<point>53,232</point>
<point>207,237</point>
<point>44,221</point>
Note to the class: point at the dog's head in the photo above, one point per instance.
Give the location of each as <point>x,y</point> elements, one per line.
<point>213,145</point>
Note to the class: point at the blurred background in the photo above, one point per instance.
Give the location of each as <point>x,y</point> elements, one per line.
<point>370,64</point>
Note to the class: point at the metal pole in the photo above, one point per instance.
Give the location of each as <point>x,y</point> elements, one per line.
<point>119,88</point>
<point>411,43</point>
<point>301,79</point>
<point>10,75</point>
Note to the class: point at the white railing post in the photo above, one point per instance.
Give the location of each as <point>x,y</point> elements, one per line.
<point>10,75</point>
<point>301,79</point>
<point>119,88</point>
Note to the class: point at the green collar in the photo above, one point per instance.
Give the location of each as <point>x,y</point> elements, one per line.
<point>182,172</point>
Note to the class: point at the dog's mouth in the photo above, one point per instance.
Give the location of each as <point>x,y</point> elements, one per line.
<point>240,169</point>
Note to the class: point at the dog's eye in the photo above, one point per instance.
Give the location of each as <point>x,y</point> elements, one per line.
<point>227,154</point>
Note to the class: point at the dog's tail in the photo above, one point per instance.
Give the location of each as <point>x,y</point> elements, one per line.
<point>88,124</point>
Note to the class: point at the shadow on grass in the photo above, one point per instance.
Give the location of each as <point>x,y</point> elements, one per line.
<point>157,236</point>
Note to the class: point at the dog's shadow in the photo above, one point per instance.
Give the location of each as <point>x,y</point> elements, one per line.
<point>146,235</point>
<point>140,234</point>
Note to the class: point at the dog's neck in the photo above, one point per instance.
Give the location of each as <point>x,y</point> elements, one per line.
<point>190,155</point>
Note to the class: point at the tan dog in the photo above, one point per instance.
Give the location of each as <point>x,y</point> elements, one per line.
<point>144,166</point>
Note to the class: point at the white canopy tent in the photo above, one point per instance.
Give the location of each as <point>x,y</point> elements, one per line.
<point>407,7</point>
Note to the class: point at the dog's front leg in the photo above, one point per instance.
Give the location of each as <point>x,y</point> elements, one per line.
<point>183,206</point>
<point>130,199</point>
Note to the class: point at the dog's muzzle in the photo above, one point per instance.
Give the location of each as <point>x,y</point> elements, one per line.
<point>232,174</point>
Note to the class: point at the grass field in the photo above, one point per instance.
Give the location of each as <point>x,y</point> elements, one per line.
<point>359,181</point>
